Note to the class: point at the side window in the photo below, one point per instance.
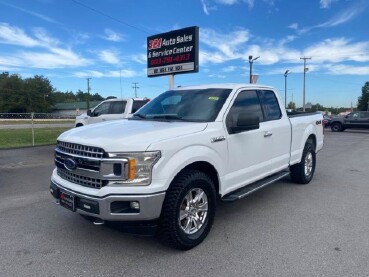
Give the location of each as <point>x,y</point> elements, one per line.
<point>247,101</point>
<point>270,104</point>
<point>118,107</point>
<point>102,109</point>
<point>137,104</point>
<point>364,115</point>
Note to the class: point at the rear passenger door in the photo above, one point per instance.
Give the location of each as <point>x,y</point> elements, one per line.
<point>279,128</point>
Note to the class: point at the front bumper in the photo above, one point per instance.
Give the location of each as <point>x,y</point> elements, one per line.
<point>115,207</point>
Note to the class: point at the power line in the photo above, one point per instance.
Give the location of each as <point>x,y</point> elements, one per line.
<point>109,16</point>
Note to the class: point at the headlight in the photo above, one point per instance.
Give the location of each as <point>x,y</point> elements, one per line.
<point>140,166</point>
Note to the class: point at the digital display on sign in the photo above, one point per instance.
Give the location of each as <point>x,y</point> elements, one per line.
<point>174,52</point>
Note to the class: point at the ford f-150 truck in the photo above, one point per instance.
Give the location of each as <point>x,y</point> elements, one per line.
<point>111,109</point>
<point>354,120</point>
<point>169,164</point>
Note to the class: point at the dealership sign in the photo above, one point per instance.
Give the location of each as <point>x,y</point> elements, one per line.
<point>174,52</point>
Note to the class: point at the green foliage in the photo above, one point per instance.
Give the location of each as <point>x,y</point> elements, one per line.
<point>291,105</point>
<point>362,102</point>
<point>35,94</point>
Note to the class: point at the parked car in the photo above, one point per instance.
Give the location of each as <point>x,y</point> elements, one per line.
<point>358,119</point>
<point>166,166</point>
<point>111,109</point>
<point>327,120</point>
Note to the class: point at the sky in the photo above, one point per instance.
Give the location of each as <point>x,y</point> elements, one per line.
<point>68,41</point>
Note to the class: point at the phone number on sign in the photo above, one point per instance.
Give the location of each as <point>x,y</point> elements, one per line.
<point>169,60</point>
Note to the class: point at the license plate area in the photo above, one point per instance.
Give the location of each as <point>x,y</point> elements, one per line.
<point>67,201</point>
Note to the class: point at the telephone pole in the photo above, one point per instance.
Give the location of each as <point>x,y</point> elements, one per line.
<point>305,70</point>
<point>135,87</point>
<point>88,93</point>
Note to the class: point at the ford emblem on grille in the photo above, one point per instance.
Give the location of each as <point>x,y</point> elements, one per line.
<point>70,164</point>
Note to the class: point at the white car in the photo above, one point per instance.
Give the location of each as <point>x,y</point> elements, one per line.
<point>111,109</point>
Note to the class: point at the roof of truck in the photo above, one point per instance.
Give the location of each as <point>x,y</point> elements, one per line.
<point>224,85</point>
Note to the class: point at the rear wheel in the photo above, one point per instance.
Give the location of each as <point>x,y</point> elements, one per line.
<point>336,127</point>
<point>188,210</point>
<point>303,172</point>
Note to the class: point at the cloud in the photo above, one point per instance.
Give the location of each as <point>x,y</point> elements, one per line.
<point>227,2</point>
<point>338,50</point>
<point>230,68</point>
<point>227,44</point>
<point>294,26</point>
<point>124,73</point>
<point>109,56</point>
<point>348,70</point>
<point>141,58</point>
<point>325,4</point>
<point>38,15</point>
<point>341,18</point>
<point>15,36</point>
<point>204,7</point>
<point>53,56</point>
<point>112,36</point>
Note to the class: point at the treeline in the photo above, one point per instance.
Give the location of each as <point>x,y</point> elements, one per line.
<point>35,94</point>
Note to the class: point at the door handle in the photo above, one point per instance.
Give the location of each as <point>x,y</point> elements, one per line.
<point>267,134</point>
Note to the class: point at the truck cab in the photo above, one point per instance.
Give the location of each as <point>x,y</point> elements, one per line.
<point>111,109</point>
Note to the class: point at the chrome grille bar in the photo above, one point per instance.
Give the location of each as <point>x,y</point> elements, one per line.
<point>80,150</point>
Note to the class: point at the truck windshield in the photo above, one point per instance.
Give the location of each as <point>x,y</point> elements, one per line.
<point>199,105</point>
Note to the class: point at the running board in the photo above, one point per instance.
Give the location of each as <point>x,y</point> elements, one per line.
<point>242,192</point>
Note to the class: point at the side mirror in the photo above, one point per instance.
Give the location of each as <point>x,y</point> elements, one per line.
<point>89,113</point>
<point>246,122</point>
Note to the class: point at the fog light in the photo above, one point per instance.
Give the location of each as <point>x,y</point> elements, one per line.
<point>135,205</point>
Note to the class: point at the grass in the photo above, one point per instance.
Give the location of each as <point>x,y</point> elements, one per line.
<point>13,138</point>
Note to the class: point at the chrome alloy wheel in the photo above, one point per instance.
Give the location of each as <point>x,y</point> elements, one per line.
<point>308,168</point>
<point>193,211</point>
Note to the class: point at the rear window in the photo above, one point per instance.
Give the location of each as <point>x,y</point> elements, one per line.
<point>270,104</point>
<point>137,104</point>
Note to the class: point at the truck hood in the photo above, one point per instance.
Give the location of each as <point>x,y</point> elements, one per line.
<point>129,135</point>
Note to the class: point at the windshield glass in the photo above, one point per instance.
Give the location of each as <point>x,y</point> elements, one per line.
<point>201,105</point>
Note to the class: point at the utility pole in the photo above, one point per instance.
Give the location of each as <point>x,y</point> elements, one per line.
<point>285,88</point>
<point>251,61</point>
<point>88,93</point>
<point>305,70</point>
<point>135,87</point>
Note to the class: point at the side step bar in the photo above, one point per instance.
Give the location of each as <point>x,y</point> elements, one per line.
<point>242,192</point>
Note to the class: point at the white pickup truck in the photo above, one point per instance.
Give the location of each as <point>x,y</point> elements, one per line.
<point>111,109</point>
<point>167,165</point>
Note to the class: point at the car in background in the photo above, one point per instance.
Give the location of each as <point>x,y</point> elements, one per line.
<point>111,109</point>
<point>327,120</point>
<point>356,120</point>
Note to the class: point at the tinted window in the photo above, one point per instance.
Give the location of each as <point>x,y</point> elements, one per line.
<point>103,108</point>
<point>187,105</point>
<point>246,102</point>
<point>118,107</point>
<point>137,104</point>
<point>364,114</point>
<point>270,104</point>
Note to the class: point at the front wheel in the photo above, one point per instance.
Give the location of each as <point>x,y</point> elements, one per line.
<point>188,210</point>
<point>336,127</point>
<point>303,172</point>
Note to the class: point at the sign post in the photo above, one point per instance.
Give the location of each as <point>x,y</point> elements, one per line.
<point>174,52</point>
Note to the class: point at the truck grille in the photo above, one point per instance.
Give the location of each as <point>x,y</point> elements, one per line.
<point>80,150</point>
<point>80,180</point>
<point>88,166</point>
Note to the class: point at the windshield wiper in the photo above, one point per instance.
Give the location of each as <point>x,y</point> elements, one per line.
<point>139,115</point>
<point>167,116</point>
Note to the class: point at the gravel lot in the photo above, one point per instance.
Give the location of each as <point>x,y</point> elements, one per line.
<point>321,229</point>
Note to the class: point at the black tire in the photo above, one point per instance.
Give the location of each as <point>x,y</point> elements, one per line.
<point>303,172</point>
<point>171,231</point>
<point>79,125</point>
<point>336,127</point>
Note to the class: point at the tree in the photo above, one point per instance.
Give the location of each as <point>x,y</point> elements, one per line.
<point>362,102</point>
<point>291,105</point>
